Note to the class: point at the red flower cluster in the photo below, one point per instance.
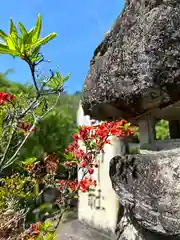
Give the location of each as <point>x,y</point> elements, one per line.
<point>94,138</point>
<point>72,185</point>
<point>6,97</point>
<point>35,228</point>
<point>33,232</point>
<point>84,184</point>
<point>51,163</point>
<point>39,169</point>
<point>25,127</point>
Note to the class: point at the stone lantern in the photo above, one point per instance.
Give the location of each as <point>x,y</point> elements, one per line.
<point>135,74</point>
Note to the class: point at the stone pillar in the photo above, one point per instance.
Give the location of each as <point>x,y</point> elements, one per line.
<point>174,129</point>
<point>147,133</point>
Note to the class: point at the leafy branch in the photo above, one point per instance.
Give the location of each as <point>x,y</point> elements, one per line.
<point>27,45</point>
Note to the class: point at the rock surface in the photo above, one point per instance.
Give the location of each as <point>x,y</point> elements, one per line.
<point>148,188</point>
<point>137,66</point>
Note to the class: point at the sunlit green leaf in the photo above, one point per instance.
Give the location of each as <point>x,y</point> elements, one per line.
<point>34,59</point>
<point>3,35</point>
<point>37,29</point>
<point>11,44</point>
<point>13,32</point>
<point>28,39</point>
<point>4,49</point>
<point>66,78</point>
<point>35,51</point>
<point>50,236</point>
<point>68,156</point>
<point>29,161</point>
<point>22,29</point>
<point>21,45</point>
<point>58,75</point>
<point>43,41</point>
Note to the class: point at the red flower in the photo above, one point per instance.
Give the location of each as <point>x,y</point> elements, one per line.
<point>5,97</point>
<point>35,228</point>
<point>83,164</point>
<point>68,184</point>
<point>122,122</point>
<point>73,185</point>
<point>75,137</point>
<point>62,182</point>
<point>91,170</point>
<point>51,163</point>
<point>86,183</point>
<point>25,127</point>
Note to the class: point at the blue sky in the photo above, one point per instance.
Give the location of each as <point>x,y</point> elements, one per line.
<point>80,26</point>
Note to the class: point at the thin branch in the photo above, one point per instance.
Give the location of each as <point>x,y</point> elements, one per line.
<point>60,217</point>
<point>50,109</point>
<point>41,60</point>
<point>48,79</point>
<point>13,158</point>
<point>31,107</point>
<point>32,68</point>
<point>8,145</point>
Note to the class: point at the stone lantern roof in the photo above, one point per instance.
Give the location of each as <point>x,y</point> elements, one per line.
<point>136,69</point>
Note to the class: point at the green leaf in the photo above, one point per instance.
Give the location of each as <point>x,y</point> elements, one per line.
<point>66,78</point>
<point>4,49</point>
<point>34,59</point>
<point>28,39</point>
<point>13,32</point>
<point>35,51</point>
<point>47,224</point>
<point>37,29</point>
<point>29,161</point>
<point>3,35</point>
<point>21,45</point>
<point>69,156</point>
<point>50,236</point>
<point>22,29</point>
<point>43,41</point>
<point>23,37</point>
<point>58,75</point>
<point>46,208</point>
<point>54,82</point>
<point>11,44</point>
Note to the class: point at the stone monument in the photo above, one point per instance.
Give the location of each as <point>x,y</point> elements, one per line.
<point>135,75</point>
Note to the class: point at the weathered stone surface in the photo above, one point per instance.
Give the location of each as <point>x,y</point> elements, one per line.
<point>148,185</point>
<point>137,66</point>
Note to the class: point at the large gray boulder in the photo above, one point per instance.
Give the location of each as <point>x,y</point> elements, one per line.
<point>137,66</point>
<point>148,187</point>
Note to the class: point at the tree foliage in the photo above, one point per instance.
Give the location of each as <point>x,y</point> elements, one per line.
<point>162,130</point>
<point>55,131</point>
